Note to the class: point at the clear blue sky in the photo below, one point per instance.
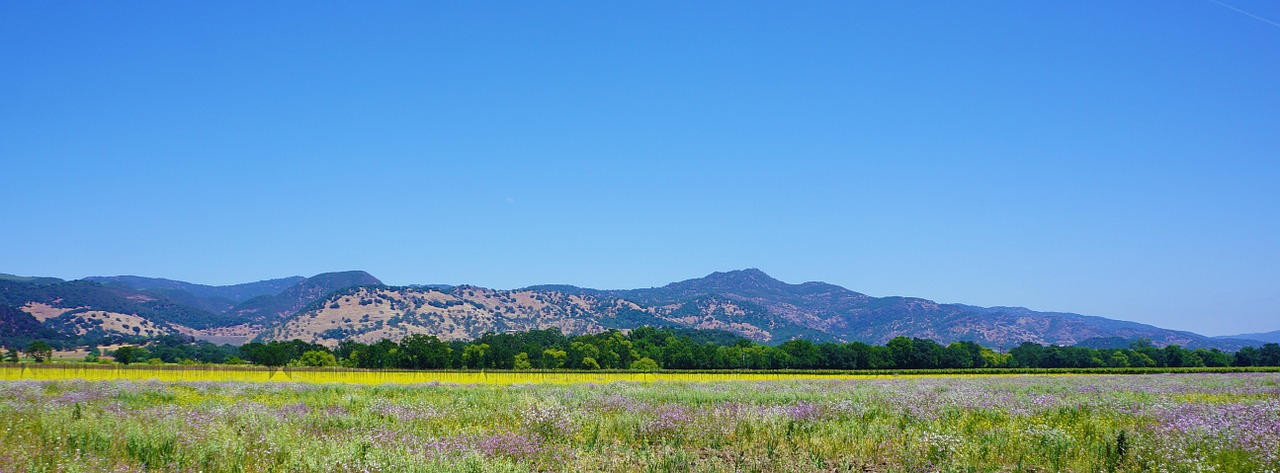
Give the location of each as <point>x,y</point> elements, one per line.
<point>1119,159</point>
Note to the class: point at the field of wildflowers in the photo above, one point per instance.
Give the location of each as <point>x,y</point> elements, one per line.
<point>1166,422</point>
<point>210,373</point>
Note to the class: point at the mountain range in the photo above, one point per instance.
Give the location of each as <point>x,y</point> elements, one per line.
<point>354,305</point>
<point>1268,337</point>
<point>210,298</point>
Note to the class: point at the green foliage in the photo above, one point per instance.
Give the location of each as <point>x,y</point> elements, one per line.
<point>40,351</point>
<point>473,355</point>
<point>553,358</point>
<point>129,354</point>
<point>521,361</point>
<point>422,352</point>
<point>614,350</point>
<point>317,358</point>
<point>645,364</point>
<point>277,353</point>
<point>17,328</point>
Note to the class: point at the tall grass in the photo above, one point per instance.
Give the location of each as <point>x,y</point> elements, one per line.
<point>1181,423</point>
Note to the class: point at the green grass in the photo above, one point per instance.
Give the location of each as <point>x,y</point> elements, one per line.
<point>1177,423</point>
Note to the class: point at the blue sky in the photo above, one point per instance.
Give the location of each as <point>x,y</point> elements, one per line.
<point>1110,158</point>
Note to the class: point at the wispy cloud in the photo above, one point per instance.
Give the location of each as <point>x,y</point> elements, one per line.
<point>1251,15</point>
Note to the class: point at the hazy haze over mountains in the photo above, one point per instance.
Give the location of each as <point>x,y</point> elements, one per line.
<point>1270,337</point>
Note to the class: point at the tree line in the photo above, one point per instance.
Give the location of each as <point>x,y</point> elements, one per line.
<point>650,348</point>
<point>677,348</point>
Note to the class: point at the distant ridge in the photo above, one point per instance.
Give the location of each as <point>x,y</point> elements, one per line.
<point>27,279</point>
<point>211,298</point>
<point>235,292</point>
<point>354,305</point>
<point>747,302</point>
<point>266,309</point>
<point>1268,337</point>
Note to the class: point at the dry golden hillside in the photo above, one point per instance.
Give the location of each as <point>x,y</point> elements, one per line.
<point>465,312</point>
<point>112,322</point>
<point>371,314</point>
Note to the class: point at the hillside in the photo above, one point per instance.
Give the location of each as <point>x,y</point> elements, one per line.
<point>216,299</point>
<point>21,326</point>
<point>83,311</point>
<point>28,279</point>
<point>247,319</point>
<point>746,302</point>
<point>1268,337</point>
<point>117,308</point>
<point>331,307</point>
<point>267,309</point>
<point>369,314</point>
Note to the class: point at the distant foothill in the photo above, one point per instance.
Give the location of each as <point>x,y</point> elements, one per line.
<point>330,309</point>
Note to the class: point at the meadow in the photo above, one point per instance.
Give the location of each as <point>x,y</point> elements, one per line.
<point>1155,422</point>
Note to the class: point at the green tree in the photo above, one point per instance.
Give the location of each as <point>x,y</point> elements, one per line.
<point>268,354</point>
<point>317,358</point>
<point>473,355</point>
<point>995,360</point>
<point>1144,347</point>
<point>802,353</point>
<point>776,358</point>
<point>553,358</point>
<point>645,364</point>
<point>756,357</point>
<point>900,350</point>
<point>1139,359</point>
<point>836,357</point>
<point>40,351</point>
<point>1176,356</point>
<point>1117,360</point>
<point>11,356</point>
<point>1269,355</point>
<point>129,354</point>
<point>926,353</point>
<point>582,350</point>
<point>423,352</point>
<point>376,356</point>
<point>521,361</point>
<point>1028,355</point>
<point>963,355</point>
<point>92,355</point>
<point>1140,344</point>
<point>1213,357</point>
<point>590,363</point>
<point>610,359</point>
